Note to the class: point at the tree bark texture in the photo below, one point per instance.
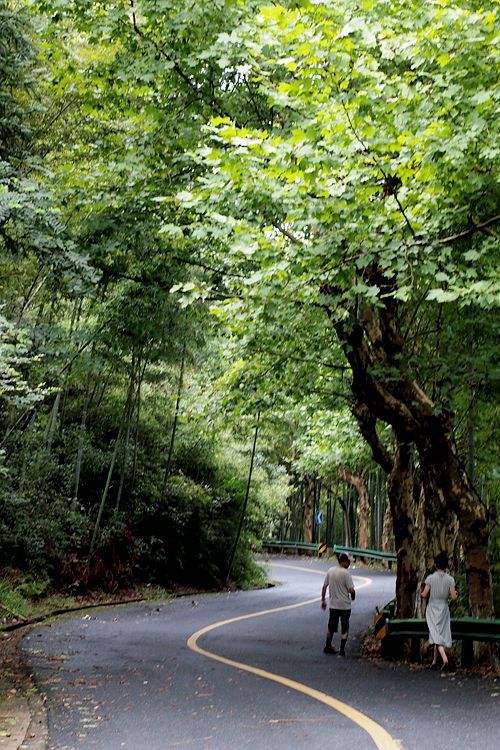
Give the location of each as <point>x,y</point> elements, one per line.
<point>401,510</point>
<point>400,488</point>
<point>446,485</point>
<point>347,524</point>
<point>387,530</point>
<point>375,349</point>
<point>357,481</point>
<point>308,509</point>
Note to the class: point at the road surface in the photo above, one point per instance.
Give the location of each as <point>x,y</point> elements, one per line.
<point>222,671</point>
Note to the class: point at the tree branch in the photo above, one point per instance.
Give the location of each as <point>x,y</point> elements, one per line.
<point>211,100</point>
<point>388,179</point>
<point>473,229</point>
<point>368,427</point>
<point>287,234</point>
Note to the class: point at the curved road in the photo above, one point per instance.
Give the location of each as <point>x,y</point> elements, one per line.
<point>222,671</point>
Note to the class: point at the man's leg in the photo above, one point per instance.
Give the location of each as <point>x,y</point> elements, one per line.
<point>332,628</point>
<point>344,621</point>
<point>328,645</point>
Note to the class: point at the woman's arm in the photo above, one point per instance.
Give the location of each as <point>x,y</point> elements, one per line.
<point>425,592</point>
<point>453,593</point>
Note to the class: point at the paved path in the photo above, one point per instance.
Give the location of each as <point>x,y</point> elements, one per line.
<point>127,678</point>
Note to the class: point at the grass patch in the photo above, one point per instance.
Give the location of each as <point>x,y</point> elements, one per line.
<point>22,598</point>
<point>25,597</point>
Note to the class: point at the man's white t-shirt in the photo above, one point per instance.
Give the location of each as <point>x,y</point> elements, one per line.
<point>339,581</point>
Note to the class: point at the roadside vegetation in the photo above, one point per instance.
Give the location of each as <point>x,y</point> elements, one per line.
<point>248,259</point>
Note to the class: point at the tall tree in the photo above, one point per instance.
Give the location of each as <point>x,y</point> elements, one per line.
<point>371,192</point>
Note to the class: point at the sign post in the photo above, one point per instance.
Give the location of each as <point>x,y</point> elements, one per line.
<point>319,521</point>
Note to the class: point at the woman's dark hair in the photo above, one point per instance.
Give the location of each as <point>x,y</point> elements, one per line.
<point>441,561</point>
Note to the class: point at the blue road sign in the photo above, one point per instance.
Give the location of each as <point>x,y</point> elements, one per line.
<point>319,516</point>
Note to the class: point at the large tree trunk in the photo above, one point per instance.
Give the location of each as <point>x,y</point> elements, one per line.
<point>357,481</point>
<point>387,530</point>
<point>401,490</point>
<point>422,528</point>
<point>347,524</point>
<point>445,479</point>
<point>308,509</point>
<point>376,352</point>
<point>400,514</point>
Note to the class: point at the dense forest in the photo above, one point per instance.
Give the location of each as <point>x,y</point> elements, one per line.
<point>248,268</point>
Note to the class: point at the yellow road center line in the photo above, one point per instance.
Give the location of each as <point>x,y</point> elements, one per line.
<point>379,735</point>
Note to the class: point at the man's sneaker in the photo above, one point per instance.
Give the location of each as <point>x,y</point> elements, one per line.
<point>341,653</point>
<point>329,650</point>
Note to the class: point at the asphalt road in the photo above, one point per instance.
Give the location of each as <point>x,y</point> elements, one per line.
<point>138,677</point>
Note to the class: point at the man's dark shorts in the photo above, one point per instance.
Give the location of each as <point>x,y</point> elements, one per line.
<point>339,614</point>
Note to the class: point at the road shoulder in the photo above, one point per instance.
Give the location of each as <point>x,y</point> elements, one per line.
<point>23,722</point>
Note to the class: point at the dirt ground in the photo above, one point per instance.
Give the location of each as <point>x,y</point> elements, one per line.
<point>22,719</point>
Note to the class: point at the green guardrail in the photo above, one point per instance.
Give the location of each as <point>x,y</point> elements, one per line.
<point>337,549</point>
<point>358,552</point>
<point>465,629</point>
<point>282,544</point>
<point>461,627</point>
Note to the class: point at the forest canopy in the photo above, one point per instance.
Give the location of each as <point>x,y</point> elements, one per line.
<point>249,270</point>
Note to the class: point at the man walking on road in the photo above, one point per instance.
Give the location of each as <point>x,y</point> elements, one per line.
<point>339,581</point>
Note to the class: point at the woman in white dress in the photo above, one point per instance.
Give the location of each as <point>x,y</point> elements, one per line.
<point>440,588</point>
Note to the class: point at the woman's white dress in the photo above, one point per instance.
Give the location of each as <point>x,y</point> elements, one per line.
<point>437,613</point>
